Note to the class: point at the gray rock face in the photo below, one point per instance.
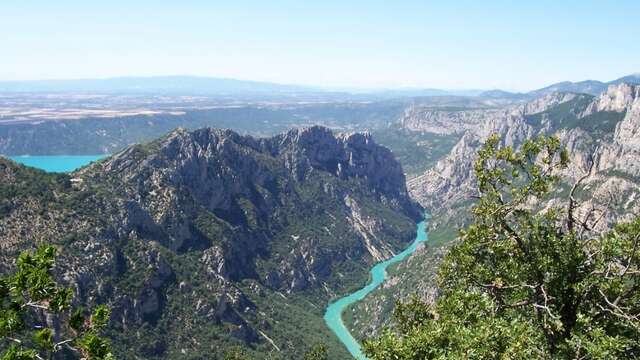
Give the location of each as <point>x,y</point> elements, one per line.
<point>606,127</point>
<point>623,153</point>
<point>617,98</point>
<point>346,156</point>
<point>438,121</point>
<point>208,227</point>
<point>447,181</point>
<point>224,173</point>
<point>443,121</point>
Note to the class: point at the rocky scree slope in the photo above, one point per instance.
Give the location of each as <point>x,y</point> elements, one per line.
<point>207,239</point>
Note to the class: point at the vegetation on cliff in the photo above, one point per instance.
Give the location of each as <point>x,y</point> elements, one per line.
<point>526,281</point>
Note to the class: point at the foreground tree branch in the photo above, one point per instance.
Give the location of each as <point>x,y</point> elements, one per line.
<point>28,296</point>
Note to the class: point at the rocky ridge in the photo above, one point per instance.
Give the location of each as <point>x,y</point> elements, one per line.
<point>604,128</point>
<point>242,238</point>
<point>462,120</point>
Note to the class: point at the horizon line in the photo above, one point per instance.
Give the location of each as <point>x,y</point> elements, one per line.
<point>327,88</point>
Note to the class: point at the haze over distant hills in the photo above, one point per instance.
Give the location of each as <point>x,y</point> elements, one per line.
<point>55,117</point>
<point>591,87</point>
<point>198,85</point>
<point>153,84</point>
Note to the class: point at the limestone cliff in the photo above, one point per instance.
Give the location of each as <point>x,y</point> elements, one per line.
<point>604,128</point>
<point>203,239</point>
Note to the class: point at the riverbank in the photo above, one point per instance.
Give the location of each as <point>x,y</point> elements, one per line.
<point>378,274</point>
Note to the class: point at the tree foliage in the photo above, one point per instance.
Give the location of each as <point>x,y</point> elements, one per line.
<point>236,353</point>
<point>526,281</point>
<point>317,352</point>
<point>37,319</point>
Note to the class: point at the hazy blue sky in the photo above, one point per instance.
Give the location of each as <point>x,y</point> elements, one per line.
<point>470,44</point>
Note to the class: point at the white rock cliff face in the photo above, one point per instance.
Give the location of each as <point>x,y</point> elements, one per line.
<point>438,121</point>
<point>616,154</point>
<point>445,121</point>
<point>616,98</point>
<point>623,153</point>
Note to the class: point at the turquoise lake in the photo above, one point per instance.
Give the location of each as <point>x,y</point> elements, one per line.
<point>333,315</point>
<point>57,163</point>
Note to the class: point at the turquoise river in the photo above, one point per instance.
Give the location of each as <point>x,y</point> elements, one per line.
<point>333,315</point>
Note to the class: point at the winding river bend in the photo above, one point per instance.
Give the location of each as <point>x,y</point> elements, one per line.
<point>333,315</point>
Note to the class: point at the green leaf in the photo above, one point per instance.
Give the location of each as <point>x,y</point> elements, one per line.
<point>44,338</point>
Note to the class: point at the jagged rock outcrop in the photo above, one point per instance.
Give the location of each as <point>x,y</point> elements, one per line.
<point>451,179</point>
<point>216,230</point>
<point>444,121</point>
<point>242,181</point>
<point>604,129</point>
<point>623,152</point>
<point>452,121</point>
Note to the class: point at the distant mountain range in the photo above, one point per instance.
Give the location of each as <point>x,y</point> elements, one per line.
<point>155,84</point>
<point>212,86</point>
<point>591,87</point>
<point>196,85</point>
<point>209,86</point>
